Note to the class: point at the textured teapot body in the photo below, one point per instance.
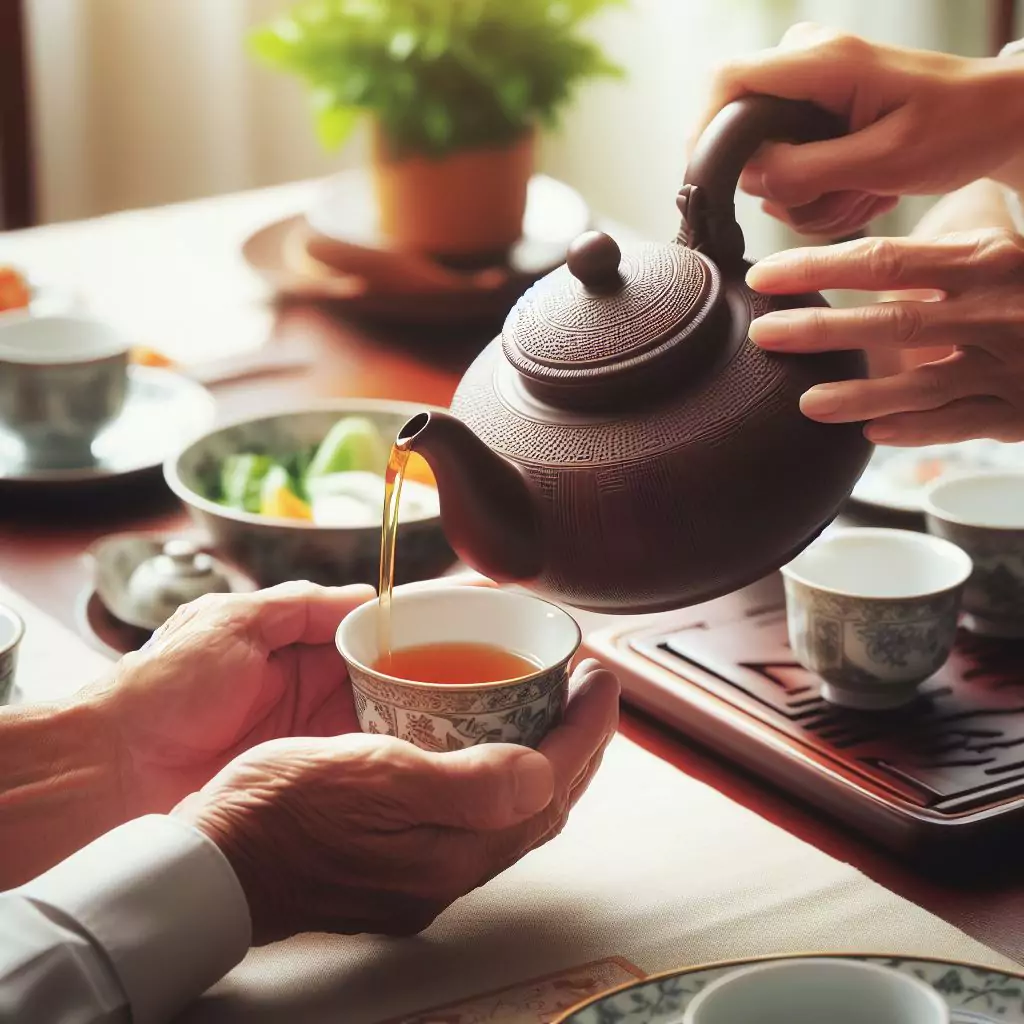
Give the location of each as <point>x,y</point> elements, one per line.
<point>683,499</point>
<point>623,446</point>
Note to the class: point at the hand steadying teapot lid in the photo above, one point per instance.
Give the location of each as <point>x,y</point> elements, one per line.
<point>623,446</point>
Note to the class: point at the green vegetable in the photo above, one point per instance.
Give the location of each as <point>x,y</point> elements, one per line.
<point>241,477</point>
<point>353,443</point>
<point>437,75</point>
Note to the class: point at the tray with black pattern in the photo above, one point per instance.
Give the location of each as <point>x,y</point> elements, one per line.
<point>944,772</point>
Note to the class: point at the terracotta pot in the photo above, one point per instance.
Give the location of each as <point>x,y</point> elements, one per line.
<point>466,205</point>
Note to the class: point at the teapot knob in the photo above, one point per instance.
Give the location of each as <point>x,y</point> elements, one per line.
<point>593,259</point>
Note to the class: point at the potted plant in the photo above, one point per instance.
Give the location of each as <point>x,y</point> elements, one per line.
<point>454,90</point>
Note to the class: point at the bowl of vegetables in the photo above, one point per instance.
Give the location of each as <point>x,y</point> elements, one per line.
<point>300,495</point>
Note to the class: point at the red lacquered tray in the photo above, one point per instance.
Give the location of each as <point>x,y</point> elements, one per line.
<point>930,780</point>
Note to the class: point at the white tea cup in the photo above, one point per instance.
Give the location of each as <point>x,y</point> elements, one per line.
<point>817,991</point>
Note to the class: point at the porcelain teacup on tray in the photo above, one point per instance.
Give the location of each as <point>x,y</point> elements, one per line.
<point>873,612</point>
<point>983,512</point>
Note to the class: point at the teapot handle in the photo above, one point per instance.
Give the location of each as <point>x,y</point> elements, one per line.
<point>707,200</point>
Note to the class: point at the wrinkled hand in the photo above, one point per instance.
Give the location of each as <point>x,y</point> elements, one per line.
<point>224,673</point>
<point>978,278</point>
<point>367,833</point>
<point>921,123</point>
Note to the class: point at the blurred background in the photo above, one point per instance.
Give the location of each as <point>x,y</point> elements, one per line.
<point>143,103</point>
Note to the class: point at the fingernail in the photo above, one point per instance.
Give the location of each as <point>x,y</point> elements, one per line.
<point>822,400</point>
<point>775,329</point>
<point>534,783</point>
<point>752,181</point>
<point>879,434</point>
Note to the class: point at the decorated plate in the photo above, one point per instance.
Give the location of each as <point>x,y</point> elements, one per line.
<point>975,995</point>
<point>896,478</point>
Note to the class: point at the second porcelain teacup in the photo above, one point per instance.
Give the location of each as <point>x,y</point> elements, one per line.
<point>984,514</point>
<point>874,612</point>
<point>450,716</point>
<point>817,991</point>
<point>62,380</point>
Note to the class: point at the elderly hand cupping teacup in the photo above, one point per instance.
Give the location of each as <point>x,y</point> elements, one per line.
<point>221,794</point>
<point>921,123</point>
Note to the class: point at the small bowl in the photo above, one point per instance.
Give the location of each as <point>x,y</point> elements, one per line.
<point>442,716</point>
<point>273,550</point>
<point>62,380</point>
<point>812,990</point>
<point>12,629</point>
<point>874,612</point>
<point>983,513</point>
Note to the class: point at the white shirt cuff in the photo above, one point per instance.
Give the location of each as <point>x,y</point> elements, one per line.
<point>163,903</point>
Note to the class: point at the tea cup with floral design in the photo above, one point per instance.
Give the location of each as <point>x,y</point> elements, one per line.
<point>449,716</point>
<point>874,612</point>
<point>983,513</point>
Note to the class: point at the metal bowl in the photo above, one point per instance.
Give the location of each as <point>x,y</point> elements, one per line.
<point>274,550</point>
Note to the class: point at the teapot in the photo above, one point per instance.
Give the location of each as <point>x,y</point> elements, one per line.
<point>623,446</point>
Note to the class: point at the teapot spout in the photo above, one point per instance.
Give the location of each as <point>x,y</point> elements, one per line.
<point>487,508</point>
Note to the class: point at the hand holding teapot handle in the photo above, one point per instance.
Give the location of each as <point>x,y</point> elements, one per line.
<point>707,200</point>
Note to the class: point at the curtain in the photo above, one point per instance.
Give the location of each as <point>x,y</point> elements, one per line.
<point>143,102</point>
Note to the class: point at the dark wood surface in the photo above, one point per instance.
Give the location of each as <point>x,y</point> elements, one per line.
<point>41,548</point>
<point>17,188</point>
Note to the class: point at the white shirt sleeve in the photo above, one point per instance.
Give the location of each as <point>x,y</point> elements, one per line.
<point>131,928</point>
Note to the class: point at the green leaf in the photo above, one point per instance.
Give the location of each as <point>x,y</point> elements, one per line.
<point>335,124</point>
<point>438,75</point>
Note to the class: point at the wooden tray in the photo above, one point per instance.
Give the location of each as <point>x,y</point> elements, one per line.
<point>932,780</point>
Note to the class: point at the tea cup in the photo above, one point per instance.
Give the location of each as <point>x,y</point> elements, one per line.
<point>447,716</point>
<point>12,629</point>
<point>62,380</point>
<point>983,513</point>
<point>808,989</point>
<point>873,612</point>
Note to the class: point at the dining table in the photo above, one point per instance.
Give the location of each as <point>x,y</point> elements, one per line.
<point>174,279</point>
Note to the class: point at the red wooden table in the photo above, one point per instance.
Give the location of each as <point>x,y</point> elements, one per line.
<point>41,547</point>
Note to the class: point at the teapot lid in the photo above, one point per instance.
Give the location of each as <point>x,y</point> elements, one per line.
<point>584,333</point>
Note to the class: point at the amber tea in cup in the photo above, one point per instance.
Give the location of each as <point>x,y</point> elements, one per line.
<point>455,664</point>
<point>469,665</point>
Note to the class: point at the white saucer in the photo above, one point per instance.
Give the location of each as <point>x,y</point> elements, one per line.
<point>974,995</point>
<point>896,478</point>
<point>163,412</point>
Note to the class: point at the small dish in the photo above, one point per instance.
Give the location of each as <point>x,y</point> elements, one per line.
<point>445,716</point>
<point>984,514</point>
<point>897,479</point>
<point>873,612</point>
<point>817,989</point>
<point>163,411</point>
<point>334,254</point>
<point>973,994</point>
<point>555,214</point>
<point>116,560</point>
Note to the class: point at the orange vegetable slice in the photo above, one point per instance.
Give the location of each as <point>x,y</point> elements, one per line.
<point>143,355</point>
<point>14,290</point>
<point>282,503</point>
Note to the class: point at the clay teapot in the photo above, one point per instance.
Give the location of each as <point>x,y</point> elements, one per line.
<point>622,446</point>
